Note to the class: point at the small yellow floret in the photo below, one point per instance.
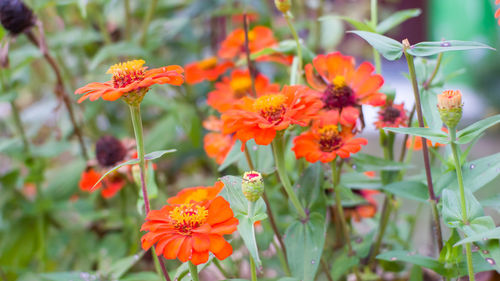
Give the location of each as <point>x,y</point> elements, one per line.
<point>270,103</point>
<point>241,84</point>
<point>339,81</point>
<point>328,130</point>
<point>188,216</point>
<point>127,67</point>
<point>208,63</point>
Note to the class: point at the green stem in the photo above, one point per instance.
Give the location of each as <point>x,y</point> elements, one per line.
<point>128,29</point>
<point>282,258</point>
<point>427,83</point>
<point>194,271</point>
<point>147,21</point>
<point>425,151</point>
<point>296,38</point>
<point>374,22</point>
<point>384,220</point>
<point>253,269</point>
<point>224,273</point>
<point>279,159</point>
<point>463,205</point>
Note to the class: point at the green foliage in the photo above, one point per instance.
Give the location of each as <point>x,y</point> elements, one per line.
<point>424,49</point>
<point>387,47</point>
<point>396,19</point>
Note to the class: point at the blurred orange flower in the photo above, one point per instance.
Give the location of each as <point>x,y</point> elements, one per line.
<point>216,144</point>
<point>367,210</point>
<point>233,46</point>
<point>392,115</point>
<point>342,87</point>
<point>233,88</point>
<point>131,80</point>
<point>208,69</point>
<point>190,231</point>
<point>326,139</point>
<point>109,186</point>
<point>417,142</point>
<point>198,193</point>
<point>497,13</point>
<point>261,118</point>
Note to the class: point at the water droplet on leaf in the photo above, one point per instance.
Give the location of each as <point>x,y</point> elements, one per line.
<point>254,147</point>
<point>490,261</point>
<point>313,262</point>
<point>394,259</point>
<point>486,252</point>
<point>472,166</point>
<point>445,44</point>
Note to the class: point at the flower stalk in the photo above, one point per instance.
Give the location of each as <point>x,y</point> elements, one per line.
<point>425,151</point>
<point>193,270</point>
<point>374,21</point>
<point>288,18</point>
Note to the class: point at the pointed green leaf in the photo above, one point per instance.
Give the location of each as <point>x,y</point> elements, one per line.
<point>452,211</point>
<point>359,25</point>
<point>396,19</point>
<point>428,133</point>
<point>367,162</point>
<point>469,133</point>
<point>415,259</point>
<point>387,47</point>
<point>424,49</point>
<point>414,190</point>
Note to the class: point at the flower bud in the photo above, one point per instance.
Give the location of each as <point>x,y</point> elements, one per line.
<point>252,185</point>
<point>109,151</point>
<point>450,107</point>
<point>15,16</point>
<point>283,5</point>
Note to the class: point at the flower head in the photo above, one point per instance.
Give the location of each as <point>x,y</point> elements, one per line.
<point>283,5</point>
<point>237,86</point>
<point>365,210</point>
<point>262,117</point>
<point>15,16</point>
<point>259,37</point>
<point>109,151</point>
<point>252,185</point>
<point>131,81</point>
<point>327,139</point>
<point>391,115</point>
<point>208,69</point>
<point>198,193</point>
<point>343,87</point>
<point>189,231</point>
<point>109,186</point>
<point>450,107</point>
<point>216,144</point>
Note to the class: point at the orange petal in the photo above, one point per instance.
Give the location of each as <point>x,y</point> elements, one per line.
<point>201,242</point>
<point>173,247</point>
<point>199,257</point>
<point>186,249</point>
<point>219,211</point>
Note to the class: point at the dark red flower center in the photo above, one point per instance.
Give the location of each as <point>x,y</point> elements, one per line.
<point>271,107</point>
<point>109,151</point>
<point>338,96</point>
<point>330,140</point>
<point>390,114</point>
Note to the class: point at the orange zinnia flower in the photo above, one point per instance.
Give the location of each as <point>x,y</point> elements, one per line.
<point>261,118</point>
<point>259,37</point>
<point>367,210</point>
<point>233,88</point>
<point>326,139</point>
<point>417,142</point>
<point>497,13</point>
<point>208,69</point>
<point>131,80</point>
<point>391,115</point>
<point>110,185</point>
<point>342,87</point>
<point>198,194</point>
<point>216,144</point>
<point>189,231</point>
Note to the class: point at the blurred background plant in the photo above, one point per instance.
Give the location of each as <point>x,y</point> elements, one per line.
<point>47,224</point>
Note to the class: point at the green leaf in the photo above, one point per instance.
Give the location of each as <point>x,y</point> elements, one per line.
<point>472,131</point>
<point>476,174</point>
<point>309,186</point>
<point>428,133</point>
<point>115,50</point>
<point>424,49</point>
<point>490,234</point>
<point>396,19</point>
<point>356,23</point>
<point>414,190</point>
<point>389,48</point>
<point>430,111</point>
<point>489,248</point>
<point>342,265</point>
<point>304,243</point>
<point>239,204</point>
<point>141,276</point>
<point>415,259</point>
<point>452,211</point>
<point>121,266</point>
<point>367,162</point>
<point>149,156</point>
<point>450,254</point>
<point>287,47</point>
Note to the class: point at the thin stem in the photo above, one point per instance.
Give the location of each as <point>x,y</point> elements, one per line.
<point>326,270</point>
<point>251,70</point>
<point>405,139</point>
<point>340,210</point>
<point>384,220</point>
<point>283,260</point>
<point>59,90</point>
<point>425,150</point>
<point>19,126</point>
<point>270,214</point>
<point>220,268</point>
<point>253,269</point>
<point>135,112</point>
<point>163,267</point>
<point>147,21</point>
<point>279,159</point>
<point>427,83</point>
<point>128,26</point>
<point>374,21</point>
<point>463,205</point>
<point>297,41</point>
<point>194,271</point>
<point>317,25</point>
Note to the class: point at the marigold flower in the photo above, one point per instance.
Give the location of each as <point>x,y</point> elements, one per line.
<point>233,88</point>
<point>198,194</point>
<point>415,142</point>
<point>190,231</point>
<point>208,69</point>
<point>259,37</point>
<point>392,115</point>
<point>261,118</point>
<point>15,16</point>
<point>342,87</point>
<point>326,139</point>
<point>131,80</point>
<point>367,210</point>
<point>216,144</point>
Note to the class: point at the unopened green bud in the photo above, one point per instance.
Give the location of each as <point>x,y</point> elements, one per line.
<point>450,107</point>
<point>252,185</point>
<point>283,5</point>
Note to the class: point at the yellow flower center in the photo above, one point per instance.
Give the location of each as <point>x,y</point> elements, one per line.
<point>251,36</point>
<point>271,107</point>
<point>128,72</point>
<point>339,81</point>
<point>208,63</point>
<point>330,139</point>
<point>188,216</point>
<point>241,85</point>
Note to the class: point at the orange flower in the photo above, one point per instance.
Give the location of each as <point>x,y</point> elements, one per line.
<point>233,88</point>
<point>417,142</point>
<point>497,13</point>
<point>261,118</point>
<point>326,139</point>
<point>208,69</point>
<point>233,47</point>
<point>110,185</point>
<point>88,179</point>
<point>190,231</point>
<point>131,80</point>
<point>391,115</point>
<point>198,194</point>
<point>238,18</point>
<point>342,87</point>
<point>367,210</point>
<point>216,144</point>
